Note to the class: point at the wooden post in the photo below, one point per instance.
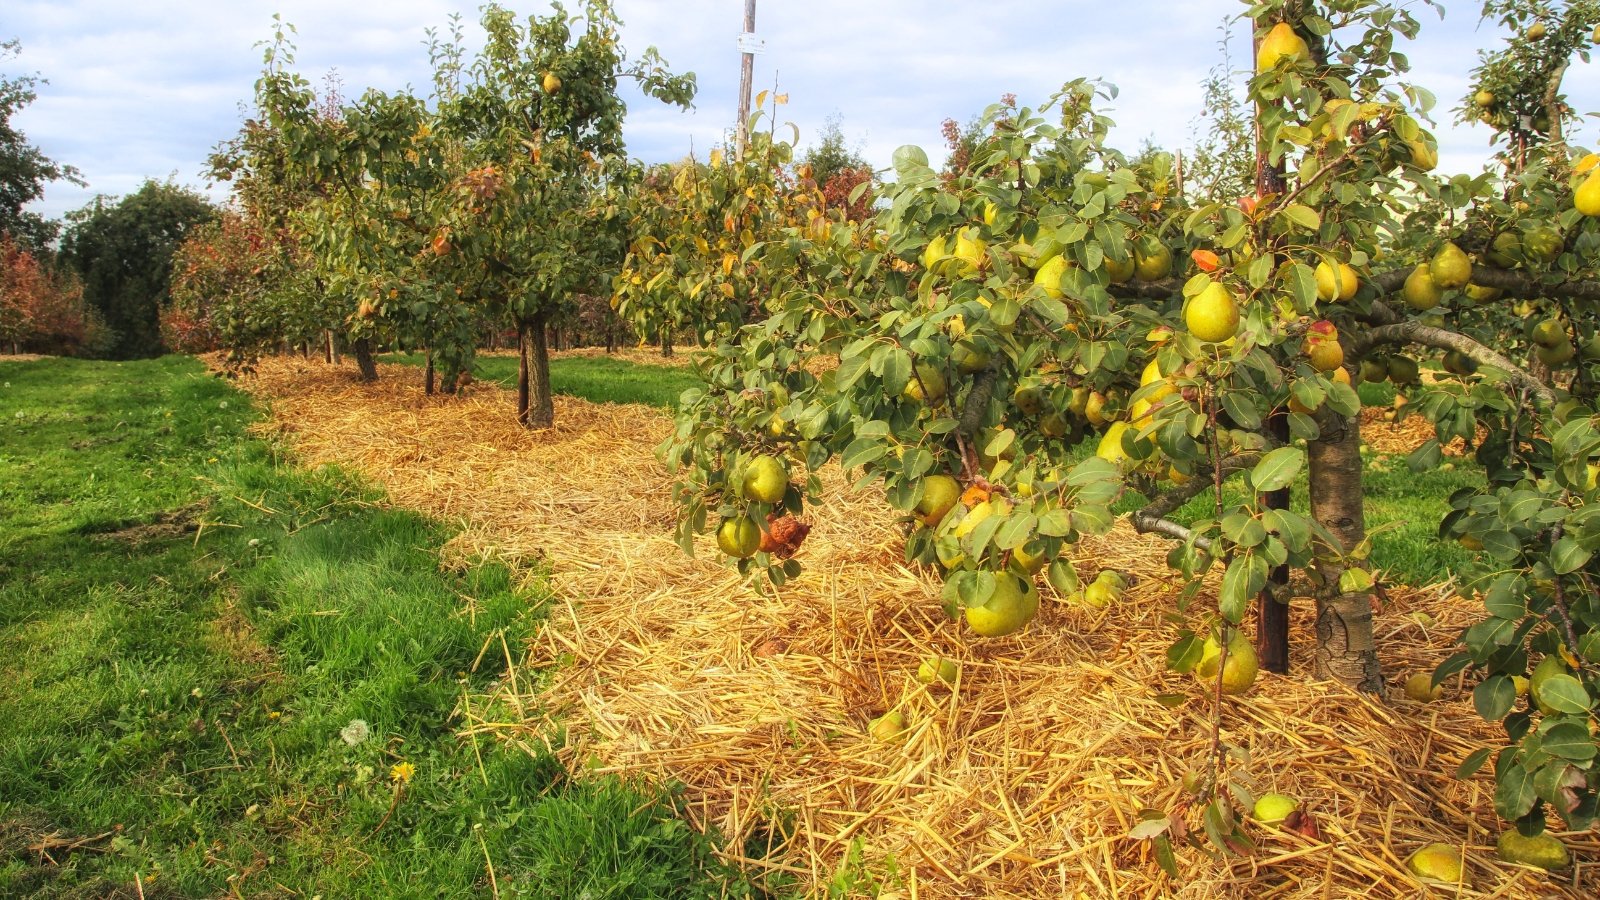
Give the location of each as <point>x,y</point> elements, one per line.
<point>746,77</point>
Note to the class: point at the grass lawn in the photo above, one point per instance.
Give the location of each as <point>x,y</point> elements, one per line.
<point>222,675</point>
<point>600,379</point>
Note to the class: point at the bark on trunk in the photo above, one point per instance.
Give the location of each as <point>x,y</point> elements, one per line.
<point>1345,650</point>
<point>1272,607</point>
<point>666,344</point>
<point>364,360</point>
<point>541,407</point>
<point>523,380</point>
<point>327,340</point>
<point>427,377</point>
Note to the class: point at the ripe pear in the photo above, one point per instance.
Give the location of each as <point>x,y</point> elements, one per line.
<point>1543,850</point>
<point>1374,370</point>
<point>1336,283</point>
<point>1424,155</point>
<point>1094,408</point>
<point>1477,293</point>
<point>1152,374</point>
<point>940,493</point>
<point>1536,31</point>
<point>1586,199</point>
<point>1012,606</point>
<point>1110,446</point>
<point>1420,291</point>
<point>766,480</point>
<point>1029,399</point>
<point>1436,863</point>
<point>552,83</point>
<point>739,538</point>
<point>1420,687</point>
<point>934,252</point>
<point>1280,43</point>
<point>1151,261</point>
<point>1212,315</point>
<point>1119,271</point>
<point>1483,98</point>
<point>970,250</point>
<point>928,385</point>
<point>1450,268</point>
<point>1324,354</point>
<point>1271,809</point>
<point>889,727</point>
<point>1544,244</point>
<point>1049,276</point>
<point>935,668</point>
<point>1027,561</point>
<point>1548,333</point>
<point>968,359</point>
<point>1239,673</point>
<point>1104,590</point>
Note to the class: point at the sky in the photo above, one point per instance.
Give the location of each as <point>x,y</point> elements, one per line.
<point>147,90</point>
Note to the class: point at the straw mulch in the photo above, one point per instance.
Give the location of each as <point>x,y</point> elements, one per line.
<point>1384,435</point>
<point>22,357</point>
<point>1021,782</point>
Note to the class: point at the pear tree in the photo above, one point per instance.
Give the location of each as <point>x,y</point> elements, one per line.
<point>1055,294</point>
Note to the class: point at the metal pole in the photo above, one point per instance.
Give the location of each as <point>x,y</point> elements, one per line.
<point>746,76</point>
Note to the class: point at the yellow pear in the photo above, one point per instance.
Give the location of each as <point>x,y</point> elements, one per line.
<point>766,480</point>
<point>1424,155</point>
<point>552,83</point>
<point>1119,271</point>
<point>935,668</point>
<point>1212,315</point>
<point>970,250</point>
<point>739,538</point>
<point>1094,407</point>
<point>1437,863</point>
<point>1152,261</point>
<point>1337,283</point>
<point>1049,276</point>
<point>1110,447</point>
<point>1280,43</point>
<point>940,493</point>
<point>1420,687</point>
<point>1239,673</point>
<point>889,727</point>
<point>1450,268</point>
<point>934,252</point>
<point>927,386</point>
<point>1012,606</point>
<point>1271,809</point>
<point>1420,291</point>
<point>1104,590</point>
<point>1030,562</point>
<point>1587,198</point>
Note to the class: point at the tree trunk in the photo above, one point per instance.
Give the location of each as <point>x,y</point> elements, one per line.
<point>1345,649</point>
<point>428,376</point>
<point>327,348</point>
<point>364,359</point>
<point>611,343</point>
<point>524,382</point>
<point>1272,606</point>
<point>541,406</point>
<point>666,343</point>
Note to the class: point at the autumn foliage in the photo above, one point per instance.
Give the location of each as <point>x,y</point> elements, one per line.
<point>42,308</point>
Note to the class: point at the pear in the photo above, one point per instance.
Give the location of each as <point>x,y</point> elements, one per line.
<point>1271,809</point>
<point>934,252</point>
<point>766,480</point>
<point>1536,31</point>
<point>1152,261</point>
<point>1049,276</point>
<point>1119,271</point>
<point>1557,356</point>
<point>940,493</point>
<point>1543,850</point>
<point>1012,606</point>
<point>928,386</point>
<point>1420,291</point>
<point>1374,370</point>
<point>1336,283</point>
<point>1436,863</point>
<point>1477,293</point>
<point>552,83</point>
<point>889,727</point>
<point>1110,446</point>
<point>1420,687</point>
<point>739,538</point>
<point>970,250</point>
<point>1240,671</point>
<point>1105,590</point>
<point>1094,408</point>
<point>1504,249</point>
<point>1151,375</point>
<point>1544,244</point>
<point>1280,43</point>
<point>1587,198</point>
<point>1403,370</point>
<point>1457,363</point>
<point>1212,315</point>
<point>969,360</point>
<point>1424,155</point>
<point>937,669</point>
<point>1549,666</point>
<point>1548,333</point>
<point>1450,267</point>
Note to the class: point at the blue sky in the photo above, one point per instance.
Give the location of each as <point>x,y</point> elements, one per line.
<point>146,90</point>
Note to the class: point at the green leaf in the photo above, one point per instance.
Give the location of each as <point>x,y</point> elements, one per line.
<point>1493,697</point>
<point>1569,740</point>
<point>1355,580</point>
<point>1303,215</point>
<point>863,451</point>
<point>1016,531</point>
<point>1567,556</point>
<point>1245,578</point>
<point>1185,652</point>
<point>1473,763</point>
<point>1277,469</point>
<point>1241,409</point>
<point>1563,693</point>
<point>1514,794</point>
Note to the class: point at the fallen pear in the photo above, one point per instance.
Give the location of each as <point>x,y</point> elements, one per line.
<point>1420,687</point>
<point>1436,864</point>
<point>1271,809</point>
<point>1543,850</point>
<point>889,727</point>
<point>936,668</point>
<point>1012,606</point>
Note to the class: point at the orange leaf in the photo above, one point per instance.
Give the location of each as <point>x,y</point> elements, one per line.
<point>1206,260</point>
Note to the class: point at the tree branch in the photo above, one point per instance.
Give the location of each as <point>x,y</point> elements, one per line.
<point>1156,525</point>
<point>1152,519</point>
<point>1414,332</point>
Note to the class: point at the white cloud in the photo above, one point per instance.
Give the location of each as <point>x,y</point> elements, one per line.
<point>149,89</point>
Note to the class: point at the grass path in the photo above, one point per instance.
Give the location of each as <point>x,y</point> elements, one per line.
<point>224,675</point>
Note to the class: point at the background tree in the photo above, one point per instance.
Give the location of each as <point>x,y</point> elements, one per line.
<point>24,169</point>
<point>42,308</point>
<point>838,170</point>
<point>122,249</point>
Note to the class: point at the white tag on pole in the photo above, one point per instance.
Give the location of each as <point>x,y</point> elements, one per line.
<point>749,43</point>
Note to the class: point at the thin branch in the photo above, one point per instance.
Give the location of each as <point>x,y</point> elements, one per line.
<point>1156,525</point>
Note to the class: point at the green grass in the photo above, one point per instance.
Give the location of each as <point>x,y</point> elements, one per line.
<point>600,379</point>
<point>190,631</point>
